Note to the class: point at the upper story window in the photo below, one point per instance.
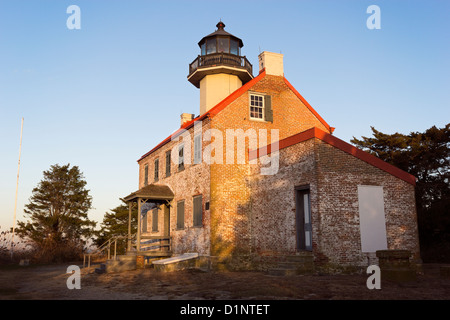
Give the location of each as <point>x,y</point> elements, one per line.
<point>181,157</point>
<point>197,148</point>
<point>156,170</point>
<point>168,159</point>
<point>146,175</point>
<point>261,107</point>
<point>256,106</point>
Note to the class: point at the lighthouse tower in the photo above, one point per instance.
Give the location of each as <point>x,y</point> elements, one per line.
<point>219,69</point>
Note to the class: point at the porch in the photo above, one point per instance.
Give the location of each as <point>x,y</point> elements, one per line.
<point>146,245</point>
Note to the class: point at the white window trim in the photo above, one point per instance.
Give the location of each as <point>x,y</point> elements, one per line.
<point>250,94</point>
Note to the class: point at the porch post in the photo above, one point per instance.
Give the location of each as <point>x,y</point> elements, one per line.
<point>129,226</point>
<point>166,225</point>
<point>138,233</point>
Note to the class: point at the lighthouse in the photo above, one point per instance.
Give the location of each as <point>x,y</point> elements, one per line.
<point>220,69</point>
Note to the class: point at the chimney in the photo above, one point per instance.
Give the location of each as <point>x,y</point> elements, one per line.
<point>272,62</point>
<point>186,117</point>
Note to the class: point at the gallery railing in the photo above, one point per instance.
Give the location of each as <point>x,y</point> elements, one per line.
<point>221,58</point>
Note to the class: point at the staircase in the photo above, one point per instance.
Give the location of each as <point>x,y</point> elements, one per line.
<point>300,263</point>
<point>151,247</point>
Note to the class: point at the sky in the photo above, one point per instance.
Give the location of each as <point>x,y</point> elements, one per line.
<point>101,96</point>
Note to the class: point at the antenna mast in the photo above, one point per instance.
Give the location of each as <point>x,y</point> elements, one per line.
<point>17,187</point>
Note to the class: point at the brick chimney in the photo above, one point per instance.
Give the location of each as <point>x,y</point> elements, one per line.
<point>272,62</point>
<point>186,117</point>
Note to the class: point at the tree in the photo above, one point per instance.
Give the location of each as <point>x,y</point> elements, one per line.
<point>115,223</point>
<point>426,156</point>
<point>58,214</point>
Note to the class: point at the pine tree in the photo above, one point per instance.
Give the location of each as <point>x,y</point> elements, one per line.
<point>57,211</point>
<point>115,223</point>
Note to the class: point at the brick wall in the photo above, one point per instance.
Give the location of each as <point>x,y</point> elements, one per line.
<point>186,184</point>
<point>333,177</point>
<point>339,175</point>
<point>230,191</point>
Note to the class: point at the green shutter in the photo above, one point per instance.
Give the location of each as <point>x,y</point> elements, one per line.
<point>198,211</point>
<point>268,113</point>
<point>168,163</point>
<point>180,215</point>
<point>146,175</point>
<point>156,169</point>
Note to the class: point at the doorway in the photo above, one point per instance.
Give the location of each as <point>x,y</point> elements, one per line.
<point>303,219</point>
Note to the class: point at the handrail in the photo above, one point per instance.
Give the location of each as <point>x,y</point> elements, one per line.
<point>105,246</point>
<point>154,246</point>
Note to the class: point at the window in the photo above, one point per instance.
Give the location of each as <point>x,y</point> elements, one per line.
<point>180,214</point>
<point>198,149</point>
<point>223,45</point>
<point>168,155</point>
<point>155,220</point>
<point>211,46</point>
<point>234,47</point>
<point>181,157</point>
<point>145,175</point>
<point>156,170</point>
<point>203,48</point>
<point>198,211</point>
<point>256,107</point>
<point>261,107</point>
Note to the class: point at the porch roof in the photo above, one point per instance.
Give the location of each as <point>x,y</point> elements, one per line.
<point>151,192</point>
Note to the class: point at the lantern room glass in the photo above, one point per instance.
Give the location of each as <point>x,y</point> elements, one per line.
<point>234,47</point>
<point>211,46</point>
<point>223,45</point>
<point>203,48</point>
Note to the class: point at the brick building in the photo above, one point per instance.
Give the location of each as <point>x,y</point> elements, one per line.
<point>258,176</point>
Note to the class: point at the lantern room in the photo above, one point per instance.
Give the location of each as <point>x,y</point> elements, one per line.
<point>219,69</point>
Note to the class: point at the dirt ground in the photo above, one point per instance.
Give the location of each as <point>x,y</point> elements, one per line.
<point>49,283</point>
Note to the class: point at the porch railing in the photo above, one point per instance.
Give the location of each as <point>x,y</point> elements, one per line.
<point>149,244</point>
<point>155,243</point>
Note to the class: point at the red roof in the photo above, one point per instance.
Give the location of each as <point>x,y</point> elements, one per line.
<point>225,102</point>
<point>340,144</point>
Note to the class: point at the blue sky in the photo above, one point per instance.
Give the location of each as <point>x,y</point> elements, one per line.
<point>102,96</point>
